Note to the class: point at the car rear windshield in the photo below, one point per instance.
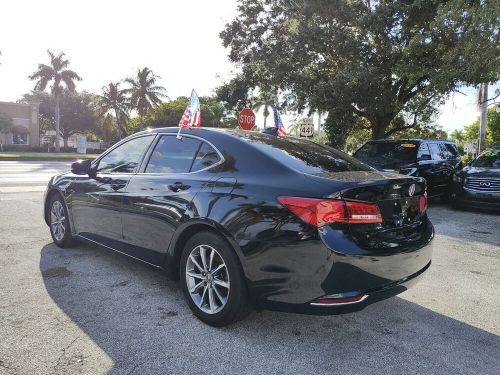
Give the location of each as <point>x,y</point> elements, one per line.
<point>489,159</point>
<point>303,155</point>
<point>396,151</point>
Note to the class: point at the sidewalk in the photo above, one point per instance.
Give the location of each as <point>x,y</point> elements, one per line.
<point>44,156</point>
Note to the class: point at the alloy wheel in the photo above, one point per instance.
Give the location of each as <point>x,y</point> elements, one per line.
<point>57,220</point>
<point>207,279</point>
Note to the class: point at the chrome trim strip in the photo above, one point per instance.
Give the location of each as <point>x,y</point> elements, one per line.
<point>339,304</point>
<point>481,191</point>
<point>118,251</point>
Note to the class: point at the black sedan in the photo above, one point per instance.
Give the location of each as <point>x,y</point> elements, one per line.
<point>478,184</point>
<point>244,218</point>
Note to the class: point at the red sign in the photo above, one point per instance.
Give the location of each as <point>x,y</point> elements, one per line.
<point>246,119</point>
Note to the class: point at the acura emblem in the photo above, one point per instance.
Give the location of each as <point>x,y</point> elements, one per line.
<point>484,184</point>
<point>411,190</point>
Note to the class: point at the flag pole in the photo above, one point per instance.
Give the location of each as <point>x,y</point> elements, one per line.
<point>179,133</point>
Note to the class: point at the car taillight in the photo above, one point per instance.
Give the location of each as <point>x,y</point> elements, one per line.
<point>319,212</point>
<point>422,203</point>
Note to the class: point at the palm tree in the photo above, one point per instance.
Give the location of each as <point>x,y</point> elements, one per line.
<point>458,136</point>
<point>264,100</point>
<point>114,100</point>
<point>57,73</point>
<point>144,93</point>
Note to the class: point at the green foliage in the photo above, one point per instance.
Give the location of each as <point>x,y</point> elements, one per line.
<point>6,124</point>
<point>57,73</point>
<point>169,113</point>
<point>115,101</point>
<point>466,159</point>
<point>458,136</point>
<point>77,110</point>
<point>144,92</point>
<point>389,62</point>
<point>471,132</point>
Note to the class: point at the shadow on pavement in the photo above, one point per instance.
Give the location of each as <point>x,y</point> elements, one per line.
<point>466,225</point>
<point>139,318</point>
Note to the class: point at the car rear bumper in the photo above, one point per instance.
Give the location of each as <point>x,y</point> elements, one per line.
<point>373,295</point>
<point>335,265</point>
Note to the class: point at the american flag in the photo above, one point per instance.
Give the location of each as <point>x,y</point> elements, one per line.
<point>278,123</point>
<point>192,114</point>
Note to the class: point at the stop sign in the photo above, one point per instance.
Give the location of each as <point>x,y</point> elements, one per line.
<point>246,119</point>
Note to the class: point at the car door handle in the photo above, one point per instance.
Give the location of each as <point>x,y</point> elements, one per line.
<point>178,186</point>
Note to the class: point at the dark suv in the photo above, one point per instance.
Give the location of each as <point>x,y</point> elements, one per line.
<point>434,160</point>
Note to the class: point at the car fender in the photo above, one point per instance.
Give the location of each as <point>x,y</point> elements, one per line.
<point>177,242</point>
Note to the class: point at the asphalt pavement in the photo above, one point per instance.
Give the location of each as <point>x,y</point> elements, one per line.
<point>89,310</point>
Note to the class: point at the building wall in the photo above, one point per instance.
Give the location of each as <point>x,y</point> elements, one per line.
<point>24,115</point>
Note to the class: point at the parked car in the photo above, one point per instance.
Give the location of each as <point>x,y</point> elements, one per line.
<point>242,217</point>
<point>434,160</point>
<point>478,184</point>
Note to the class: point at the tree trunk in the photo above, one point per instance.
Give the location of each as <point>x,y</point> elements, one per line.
<point>65,140</point>
<point>483,97</point>
<point>319,122</point>
<point>265,120</point>
<point>379,126</point>
<point>120,132</point>
<point>58,149</point>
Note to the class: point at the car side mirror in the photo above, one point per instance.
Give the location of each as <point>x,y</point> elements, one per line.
<point>81,167</point>
<point>425,157</point>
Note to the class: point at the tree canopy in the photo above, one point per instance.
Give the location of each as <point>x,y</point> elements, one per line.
<point>78,112</point>
<point>471,131</point>
<point>144,91</point>
<point>114,100</point>
<point>169,113</point>
<point>389,62</point>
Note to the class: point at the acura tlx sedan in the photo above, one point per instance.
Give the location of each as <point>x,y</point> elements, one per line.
<point>244,218</point>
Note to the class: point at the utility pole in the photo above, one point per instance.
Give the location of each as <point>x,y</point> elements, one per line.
<point>483,102</point>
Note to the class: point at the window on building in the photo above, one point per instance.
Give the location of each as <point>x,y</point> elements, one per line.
<point>20,139</point>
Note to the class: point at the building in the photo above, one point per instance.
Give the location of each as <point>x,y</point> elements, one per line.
<point>26,128</point>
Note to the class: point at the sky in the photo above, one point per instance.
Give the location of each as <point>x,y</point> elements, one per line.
<point>107,41</point>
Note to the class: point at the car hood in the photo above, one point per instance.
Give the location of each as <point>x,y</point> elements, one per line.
<point>481,172</point>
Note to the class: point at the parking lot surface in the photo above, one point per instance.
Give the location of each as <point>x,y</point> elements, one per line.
<point>89,310</point>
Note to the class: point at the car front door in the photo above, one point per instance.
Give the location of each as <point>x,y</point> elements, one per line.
<point>159,198</point>
<point>96,201</point>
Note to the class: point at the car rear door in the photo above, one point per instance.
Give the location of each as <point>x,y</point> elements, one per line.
<point>159,198</point>
<point>427,167</point>
<point>439,170</point>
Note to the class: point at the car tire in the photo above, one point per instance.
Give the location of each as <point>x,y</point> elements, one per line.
<point>58,219</point>
<point>455,205</point>
<point>212,280</point>
<point>445,197</point>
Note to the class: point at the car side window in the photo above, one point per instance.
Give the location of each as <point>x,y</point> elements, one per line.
<point>173,155</point>
<point>452,149</point>
<point>435,151</point>
<point>206,157</point>
<point>126,157</point>
<point>445,152</point>
<point>423,149</point>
